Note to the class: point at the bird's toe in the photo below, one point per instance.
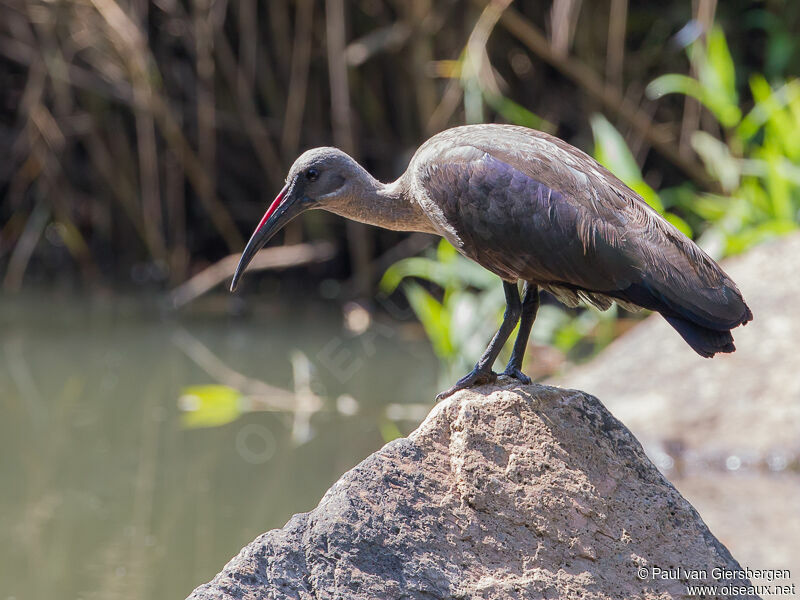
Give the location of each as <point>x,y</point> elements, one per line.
<point>474,378</point>
<point>517,374</point>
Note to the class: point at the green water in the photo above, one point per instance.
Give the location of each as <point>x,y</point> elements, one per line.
<point>104,493</point>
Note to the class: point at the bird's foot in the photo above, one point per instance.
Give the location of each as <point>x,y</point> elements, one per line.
<point>473,378</point>
<point>517,374</point>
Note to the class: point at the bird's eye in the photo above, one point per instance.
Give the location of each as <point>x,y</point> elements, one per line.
<point>312,174</point>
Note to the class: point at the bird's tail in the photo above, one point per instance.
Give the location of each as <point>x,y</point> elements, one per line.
<point>692,313</point>
<point>691,291</point>
<point>706,342</point>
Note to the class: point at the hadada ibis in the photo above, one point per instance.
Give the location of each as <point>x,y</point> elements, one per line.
<point>528,207</point>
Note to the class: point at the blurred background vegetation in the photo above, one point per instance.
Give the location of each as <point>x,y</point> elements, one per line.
<point>139,145</point>
<point>141,140</point>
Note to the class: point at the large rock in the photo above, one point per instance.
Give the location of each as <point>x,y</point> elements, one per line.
<point>507,491</point>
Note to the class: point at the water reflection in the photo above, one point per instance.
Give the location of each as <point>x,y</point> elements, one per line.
<point>106,493</point>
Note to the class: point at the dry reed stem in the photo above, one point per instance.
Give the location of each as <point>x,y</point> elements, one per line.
<point>357,234</point>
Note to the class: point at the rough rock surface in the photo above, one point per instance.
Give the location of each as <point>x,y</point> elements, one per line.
<point>506,491</point>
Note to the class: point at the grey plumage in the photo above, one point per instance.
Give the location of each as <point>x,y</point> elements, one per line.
<point>528,206</point>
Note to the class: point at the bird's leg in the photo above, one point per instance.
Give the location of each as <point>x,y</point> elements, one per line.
<point>482,373</point>
<point>530,305</point>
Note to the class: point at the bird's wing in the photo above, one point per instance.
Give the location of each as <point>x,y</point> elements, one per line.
<point>535,208</point>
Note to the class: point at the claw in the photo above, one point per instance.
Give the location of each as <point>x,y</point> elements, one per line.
<point>517,374</point>
<point>471,379</point>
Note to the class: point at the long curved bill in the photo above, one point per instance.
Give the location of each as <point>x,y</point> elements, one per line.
<point>280,212</point>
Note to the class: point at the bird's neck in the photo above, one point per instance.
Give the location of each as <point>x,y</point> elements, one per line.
<point>387,205</point>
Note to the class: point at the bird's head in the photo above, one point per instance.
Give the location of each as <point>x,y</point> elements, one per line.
<point>319,178</point>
